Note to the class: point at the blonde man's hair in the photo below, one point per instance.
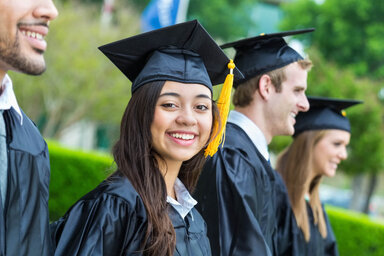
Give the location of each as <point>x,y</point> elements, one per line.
<point>244,92</point>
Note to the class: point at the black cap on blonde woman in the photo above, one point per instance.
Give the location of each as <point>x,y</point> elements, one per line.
<point>183,53</point>
<point>325,113</point>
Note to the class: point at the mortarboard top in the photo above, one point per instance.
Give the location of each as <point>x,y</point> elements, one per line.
<point>184,52</point>
<point>324,113</point>
<point>264,53</point>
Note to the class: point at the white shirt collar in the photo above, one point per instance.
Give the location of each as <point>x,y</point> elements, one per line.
<point>8,98</point>
<point>251,129</point>
<point>185,202</point>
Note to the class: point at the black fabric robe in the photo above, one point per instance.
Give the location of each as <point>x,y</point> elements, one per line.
<point>24,221</point>
<point>112,220</point>
<point>191,234</point>
<point>286,222</point>
<point>237,198</point>
<point>317,245</point>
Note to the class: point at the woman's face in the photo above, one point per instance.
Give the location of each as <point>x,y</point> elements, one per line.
<point>329,152</point>
<point>182,120</point>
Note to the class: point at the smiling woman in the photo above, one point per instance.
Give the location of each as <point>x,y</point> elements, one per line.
<point>182,122</point>
<point>320,144</point>
<point>145,207</point>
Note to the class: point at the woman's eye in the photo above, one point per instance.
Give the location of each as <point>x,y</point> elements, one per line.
<point>168,105</point>
<point>201,107</point>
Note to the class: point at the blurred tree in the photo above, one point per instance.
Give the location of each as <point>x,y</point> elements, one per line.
<point>140,4</point>
<point>80,1</point>
<point>349,33</point>
<point>80,82</point>
<point>224,19</point>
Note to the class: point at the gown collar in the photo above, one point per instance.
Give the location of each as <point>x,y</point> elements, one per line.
<point>8,98</point>
<point>185,202</point>
<point>251,129</point>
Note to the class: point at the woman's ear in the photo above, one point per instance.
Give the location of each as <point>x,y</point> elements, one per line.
<point>265,86</point>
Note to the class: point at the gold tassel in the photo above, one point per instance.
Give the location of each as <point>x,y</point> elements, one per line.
<point>223,104</point>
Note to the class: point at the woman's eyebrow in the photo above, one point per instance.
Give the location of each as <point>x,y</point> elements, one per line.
<point>170,94</point>
<point>174,94</point>
<point>203,96</point>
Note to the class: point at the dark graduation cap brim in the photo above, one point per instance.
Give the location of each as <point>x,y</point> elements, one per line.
<point>337,104</point>
<point>323,114</point>
<point>252,40</point>
<point>130,55</point>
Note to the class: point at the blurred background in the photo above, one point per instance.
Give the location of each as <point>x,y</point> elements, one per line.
<point>80,99</point>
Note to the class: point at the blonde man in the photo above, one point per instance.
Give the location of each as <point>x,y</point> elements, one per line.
<point>239,192</point>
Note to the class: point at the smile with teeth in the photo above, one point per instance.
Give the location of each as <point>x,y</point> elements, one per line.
<point>183,136</point>
<point>31,34</point>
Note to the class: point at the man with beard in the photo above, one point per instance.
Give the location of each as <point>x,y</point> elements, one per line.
<point>242,199</point>
<point>24,161</point>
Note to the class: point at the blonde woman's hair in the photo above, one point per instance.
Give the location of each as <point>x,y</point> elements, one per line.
<point>295,165</point>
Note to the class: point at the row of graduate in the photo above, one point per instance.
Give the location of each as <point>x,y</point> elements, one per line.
<point>169,147</point>
<point>146,208</point>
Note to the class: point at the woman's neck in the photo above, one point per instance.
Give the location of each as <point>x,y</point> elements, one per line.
<point>313,176</point>
<point>170,171</point>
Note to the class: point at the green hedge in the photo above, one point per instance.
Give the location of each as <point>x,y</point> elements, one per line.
<point>356,234</point>
<point>73,174</point>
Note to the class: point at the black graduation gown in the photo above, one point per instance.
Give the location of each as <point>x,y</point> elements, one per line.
<point>286,222</point>
<point>24,221</point>
<point>317,245</point>
<point>191,233</point>
<point>236,195</point>
<point>112,220</point>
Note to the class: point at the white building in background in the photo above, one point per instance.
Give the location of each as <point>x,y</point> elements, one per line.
<point>81,135</point>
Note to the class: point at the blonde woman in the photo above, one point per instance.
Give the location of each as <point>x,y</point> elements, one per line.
<point>320,144</point>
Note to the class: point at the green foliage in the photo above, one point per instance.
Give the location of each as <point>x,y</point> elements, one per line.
<point>349,32</point>
<point>139,4</point>
<point>79,82</point>
<point>73,174</point>
<point>224,19</point>
<point>279,143</point>
<point>355,233</point>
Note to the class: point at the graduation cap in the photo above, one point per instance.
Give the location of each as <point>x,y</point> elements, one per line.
<point>263,53</point>
<point>183,53</point>
<point>324,113</point>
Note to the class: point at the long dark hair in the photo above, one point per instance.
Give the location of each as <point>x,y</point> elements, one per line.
<point>135,158</point>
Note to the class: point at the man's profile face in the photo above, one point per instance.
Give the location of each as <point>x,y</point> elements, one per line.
<point>24,24</point>
<point>291,100</point>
